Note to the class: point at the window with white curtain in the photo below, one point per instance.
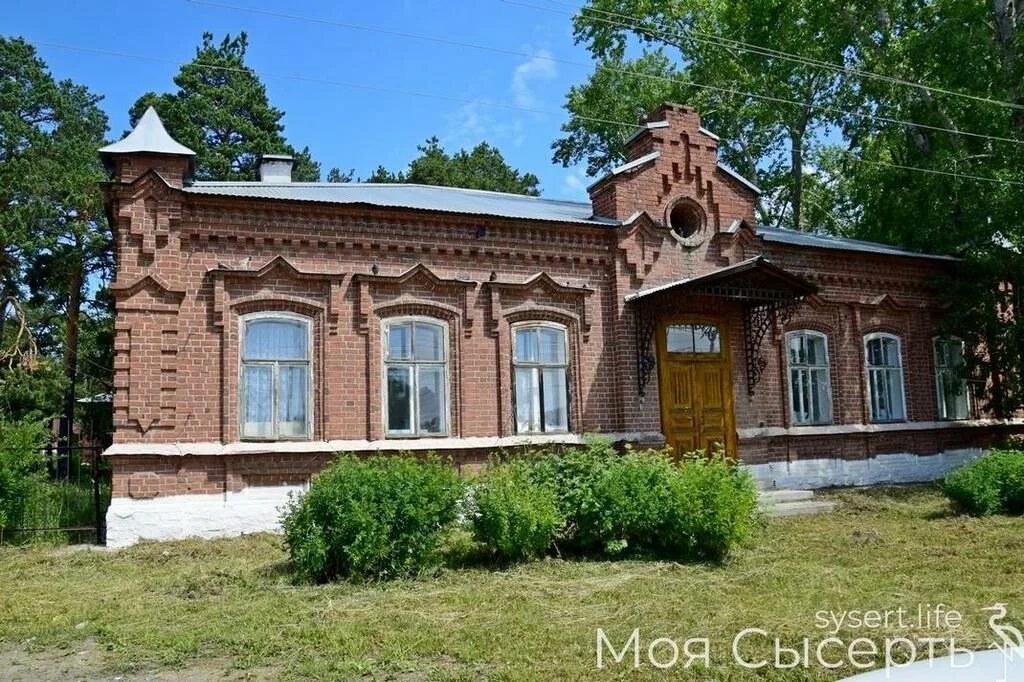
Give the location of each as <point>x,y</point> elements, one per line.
<point>810,391</point>
<point>884,366</point>
<point>415,377</point>
<point>954,401</point>
<point>540,364</point>
<point>275,377</point>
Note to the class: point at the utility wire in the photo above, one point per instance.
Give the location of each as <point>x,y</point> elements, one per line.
<point>627,72</point>
<point>447,98</point>
<point>704,36</point>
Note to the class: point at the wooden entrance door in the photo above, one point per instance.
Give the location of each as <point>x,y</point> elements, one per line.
<point>695,379</point>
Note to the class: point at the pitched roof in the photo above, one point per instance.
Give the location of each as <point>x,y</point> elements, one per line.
<point>824,241</point>
<point>758,274</point>
<point>148,136</point>
<point>422,197</point>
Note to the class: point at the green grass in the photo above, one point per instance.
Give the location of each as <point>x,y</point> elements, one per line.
<point>182,605</point>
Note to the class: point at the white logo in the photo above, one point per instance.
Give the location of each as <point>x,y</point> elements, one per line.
<point>1012,641</point>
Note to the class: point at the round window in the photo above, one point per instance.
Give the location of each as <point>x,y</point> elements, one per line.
<point>686,220</point>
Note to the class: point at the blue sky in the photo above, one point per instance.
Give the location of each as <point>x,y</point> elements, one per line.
<point>343,126</point>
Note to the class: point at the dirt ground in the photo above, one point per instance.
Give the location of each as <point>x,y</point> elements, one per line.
<point>88,662</point>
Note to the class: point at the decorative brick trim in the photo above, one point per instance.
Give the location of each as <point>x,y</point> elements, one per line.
<point>418,276</point>
<point>541,285</point>
<point>226,278</point>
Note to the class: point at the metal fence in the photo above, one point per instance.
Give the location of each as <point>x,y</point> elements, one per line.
<point>70,503</point>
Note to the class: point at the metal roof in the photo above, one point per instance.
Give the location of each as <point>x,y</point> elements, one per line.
<point>149,135</point>
<point>635,163</point>
<point>421,197</point>
<point>823,241</point>
<point>742,180</point>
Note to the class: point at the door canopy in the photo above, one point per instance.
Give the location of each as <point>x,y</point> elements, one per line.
<point>767,293</point>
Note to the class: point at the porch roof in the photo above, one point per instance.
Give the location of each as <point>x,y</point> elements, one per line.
<point>755,280</point>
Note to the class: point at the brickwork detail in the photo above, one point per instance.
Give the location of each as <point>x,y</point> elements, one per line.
<point>189,266</point>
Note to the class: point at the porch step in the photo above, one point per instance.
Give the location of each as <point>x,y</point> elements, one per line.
<point>793,503</point>
<point>779,496</point>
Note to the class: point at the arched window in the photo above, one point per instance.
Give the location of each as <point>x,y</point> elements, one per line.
<point>276,377</point>
<point>954,401</point>
<point>810,390</point>
<point>540,365</point>
<point>884,366</point>
<point>415,377</point>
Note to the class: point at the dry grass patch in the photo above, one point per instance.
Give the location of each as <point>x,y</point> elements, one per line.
<point>175,606</point>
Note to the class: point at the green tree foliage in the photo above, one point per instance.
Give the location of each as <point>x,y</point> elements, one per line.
<point>683,58</point>
<point>222,112</point>
<point>21,468</point>
<point>54,234</point>
<point>483,167</point>
<point>825,164</point>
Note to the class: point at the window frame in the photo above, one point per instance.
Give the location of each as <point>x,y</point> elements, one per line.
<point>869,369</point>
<point>541,366</point>
<point>939,370</point>
<point>243,322</point>
<point>693,327</point>
<point>827,367</point>
<point>413,365</point>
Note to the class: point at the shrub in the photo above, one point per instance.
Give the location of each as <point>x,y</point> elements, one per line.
<point>713,503</point>
<point>645,502</point>
<point>634,495</point>
<point>22,468</point>
<point>377,518</point>
<point>574,474</point>
<point>990,485</point>
<point>516,516</point>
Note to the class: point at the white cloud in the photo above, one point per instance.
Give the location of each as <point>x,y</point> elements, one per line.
<point>575,184</point>
<point>537,67</point>
<point>478,122</point>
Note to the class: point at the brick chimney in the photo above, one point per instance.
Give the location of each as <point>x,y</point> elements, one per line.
<point>671,165</point>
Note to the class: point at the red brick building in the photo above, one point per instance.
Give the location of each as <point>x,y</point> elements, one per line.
<point>264,326</point>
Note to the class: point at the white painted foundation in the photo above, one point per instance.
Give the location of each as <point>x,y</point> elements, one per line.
<point>258,509</point>
<point>828,472</point>
<point>176,517</point>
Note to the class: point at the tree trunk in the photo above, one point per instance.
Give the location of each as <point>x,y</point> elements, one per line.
<point>797,174</point>
<point>1007,15</point>
<point>75,281</point>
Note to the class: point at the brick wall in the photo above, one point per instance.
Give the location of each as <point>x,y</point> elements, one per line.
<point>189,266</point>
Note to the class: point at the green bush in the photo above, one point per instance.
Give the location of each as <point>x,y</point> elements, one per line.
<point>377,518</point>
<point>991,485</point>
<point>514,514</point>
<point>574,474</point>
<point>713,504</point>
<point>635,495</point>
<point>645,502</point>
<point>22,468</point>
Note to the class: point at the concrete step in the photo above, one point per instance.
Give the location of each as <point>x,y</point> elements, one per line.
<point>779,496</point>
<point>800,508</point>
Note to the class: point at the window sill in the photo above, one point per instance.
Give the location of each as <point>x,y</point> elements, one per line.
<point>385,445</point>
<point>415,436</point>
<point>841,429</point>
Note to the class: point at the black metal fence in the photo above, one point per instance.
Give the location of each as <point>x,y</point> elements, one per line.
<point>70,503</point>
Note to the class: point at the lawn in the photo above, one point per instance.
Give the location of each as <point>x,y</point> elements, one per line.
<point>201,609</point>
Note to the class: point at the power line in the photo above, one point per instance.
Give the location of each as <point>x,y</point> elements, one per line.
<point>932,171</point>
<point>704,36</point>
<point>328,81</point>
<point>447,98</point>
<point>627,72</point>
